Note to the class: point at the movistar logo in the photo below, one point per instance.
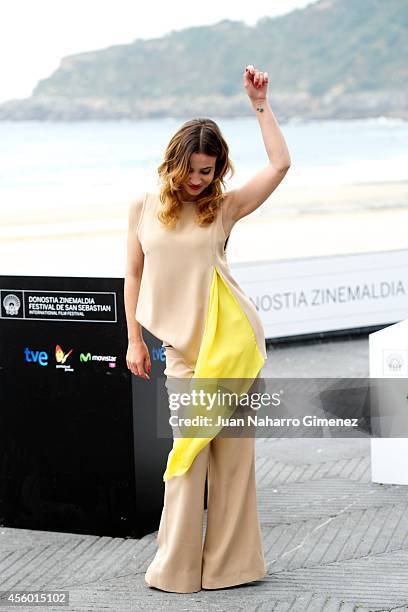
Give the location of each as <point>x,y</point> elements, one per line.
<point>85,357</point>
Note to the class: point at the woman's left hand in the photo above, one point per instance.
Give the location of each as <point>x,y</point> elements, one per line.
<point>255,83</point>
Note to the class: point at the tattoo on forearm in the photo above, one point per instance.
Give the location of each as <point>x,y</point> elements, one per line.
<point>260,109</point>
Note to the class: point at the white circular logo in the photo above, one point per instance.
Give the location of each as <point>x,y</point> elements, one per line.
<point>11,304</point>
<point>395,362</point>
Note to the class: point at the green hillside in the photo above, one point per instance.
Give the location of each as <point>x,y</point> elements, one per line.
<point>331,54</point>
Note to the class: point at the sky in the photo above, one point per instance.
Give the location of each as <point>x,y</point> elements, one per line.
<point>36,34</point>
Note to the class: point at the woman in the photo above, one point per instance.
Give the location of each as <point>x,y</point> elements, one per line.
<point>179,287</point>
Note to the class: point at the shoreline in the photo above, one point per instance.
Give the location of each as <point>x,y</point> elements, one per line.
<point>284,201</point>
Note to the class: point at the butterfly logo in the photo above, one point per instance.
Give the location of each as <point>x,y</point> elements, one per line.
<point>60,356</point>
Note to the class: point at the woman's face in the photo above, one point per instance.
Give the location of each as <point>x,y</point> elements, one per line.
<point>202,170</point>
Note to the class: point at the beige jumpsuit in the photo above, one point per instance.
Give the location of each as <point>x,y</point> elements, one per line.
<point>185,269</point>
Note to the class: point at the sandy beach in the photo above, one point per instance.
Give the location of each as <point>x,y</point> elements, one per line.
<point>293,223</point>
<point>360,196</point>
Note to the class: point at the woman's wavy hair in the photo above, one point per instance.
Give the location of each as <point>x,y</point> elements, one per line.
<point>200,135</point>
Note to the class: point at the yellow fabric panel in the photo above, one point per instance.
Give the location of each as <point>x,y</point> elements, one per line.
<point>228,351</point>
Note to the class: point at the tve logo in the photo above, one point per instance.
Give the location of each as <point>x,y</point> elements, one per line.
<point>158,354</point>
<point>40,357</point>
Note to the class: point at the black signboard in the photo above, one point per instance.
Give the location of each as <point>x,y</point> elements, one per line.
<point>78,444</point>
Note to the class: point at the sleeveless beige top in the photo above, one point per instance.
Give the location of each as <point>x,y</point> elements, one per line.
<point>176,279</point>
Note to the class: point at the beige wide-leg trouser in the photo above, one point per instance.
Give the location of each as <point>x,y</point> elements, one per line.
<point>232,552</point>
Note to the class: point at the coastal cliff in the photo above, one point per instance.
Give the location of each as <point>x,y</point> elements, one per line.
<point>333,59</point>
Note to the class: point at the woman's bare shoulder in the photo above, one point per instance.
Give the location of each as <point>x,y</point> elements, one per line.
<point>136,208</point>
<point>138,199</point>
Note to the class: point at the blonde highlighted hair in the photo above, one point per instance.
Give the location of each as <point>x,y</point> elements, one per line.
<point>200,135</point>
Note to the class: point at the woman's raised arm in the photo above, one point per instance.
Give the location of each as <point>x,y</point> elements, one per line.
<point>244,200</point>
